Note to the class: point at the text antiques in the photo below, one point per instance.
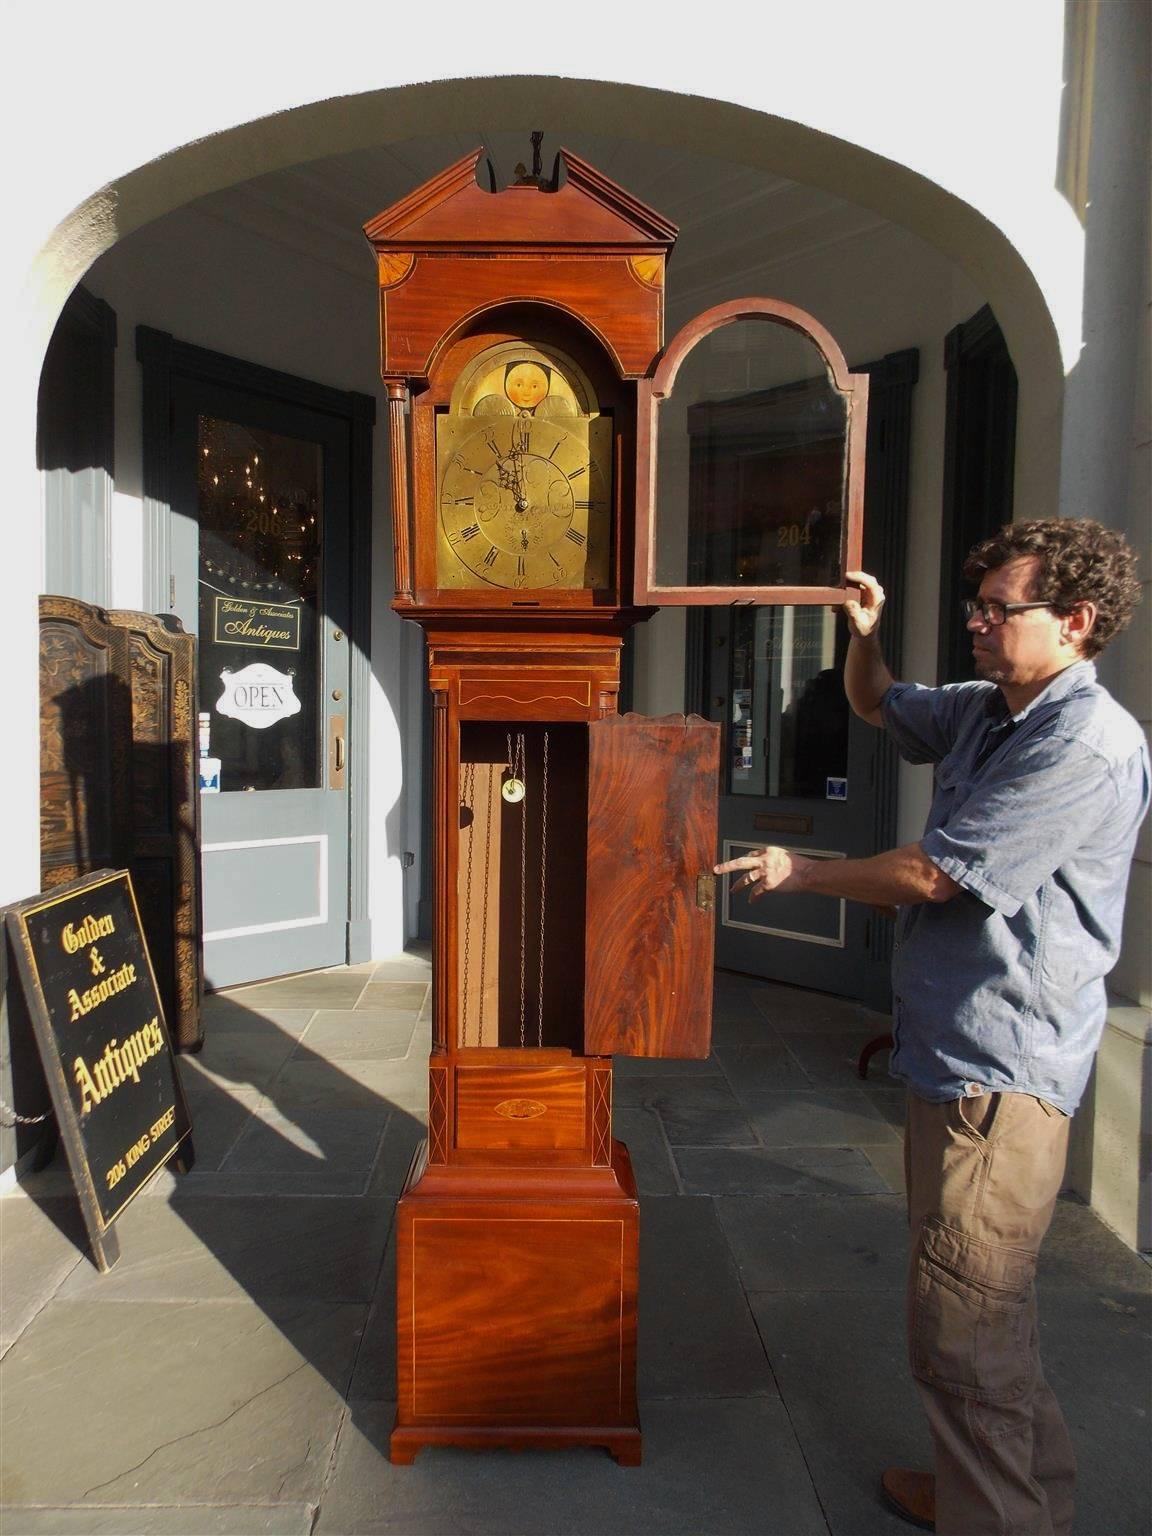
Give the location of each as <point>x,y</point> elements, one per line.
<point>100,1028</point>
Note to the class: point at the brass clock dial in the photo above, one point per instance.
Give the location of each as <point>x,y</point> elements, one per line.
<point>523,476</point>
<point>525,503</point>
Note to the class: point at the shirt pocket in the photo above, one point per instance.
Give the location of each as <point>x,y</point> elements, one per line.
<point>971,1315</point>
<point>949,779</point>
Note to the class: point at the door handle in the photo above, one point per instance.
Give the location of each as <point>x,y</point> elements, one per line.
<point>706,892</point>
<point>337,752</point>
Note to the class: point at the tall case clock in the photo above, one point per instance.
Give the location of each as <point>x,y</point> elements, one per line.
<point>536,517</point>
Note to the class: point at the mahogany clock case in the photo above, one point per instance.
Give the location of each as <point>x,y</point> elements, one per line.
<point>573,847</point>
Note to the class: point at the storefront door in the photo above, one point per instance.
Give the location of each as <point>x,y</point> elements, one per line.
<point>259,478</point>
<point>260,554</point>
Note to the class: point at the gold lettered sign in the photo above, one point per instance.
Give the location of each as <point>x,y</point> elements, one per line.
<point>268,626</point>
<point>92,996</point>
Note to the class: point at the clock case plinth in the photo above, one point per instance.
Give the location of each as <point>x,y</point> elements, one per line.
<point>517,1232</point>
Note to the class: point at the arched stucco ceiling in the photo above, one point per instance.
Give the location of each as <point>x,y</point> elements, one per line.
<point>456,114</point>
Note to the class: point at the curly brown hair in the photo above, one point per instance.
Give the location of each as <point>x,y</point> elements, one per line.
<point>1080,562</point>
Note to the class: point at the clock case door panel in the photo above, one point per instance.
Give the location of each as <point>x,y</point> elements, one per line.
<point>582,918</point>
<point>651,847</point>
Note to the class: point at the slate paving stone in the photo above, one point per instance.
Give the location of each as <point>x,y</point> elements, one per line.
<point>255,1300</point>
<point>39,1245</point>
<point>710,1468</point>
<point>888,1096</point>
<point>374,1373</point>
<point>833,1243</point>
<point>219,1118</point>
<point>841,1365</point>
<point>244,1059</point>
<point>830,1057</point>
<point>794,1010</point>
<point>405,968</point>
<point>697,1337</point>
<point>401,1084</point>
<point>223,1013</point>
<point>1097,1354</point>
<point>161,1520</point>
<point>764,1067</point>
<point>820,1117</point>
<point>696,1110</point>
<point>393,994</point>
<point>205,1248</point>
<point>639,1130</point>
<point>372,1035</point>
<point>778,1171</point>
<point>311,1141</point>
<point>625,1068</point>
<point>888,1162</point>
<point>743,1026</point>
<point>394,1157</point>
<point>268,1184</point>
<point>176,1402</point>
<point>1080,1252</point>
<point>732,1007</point>
<point>315,989</point>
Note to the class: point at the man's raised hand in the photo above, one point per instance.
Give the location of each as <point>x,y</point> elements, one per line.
<point>863,614</point>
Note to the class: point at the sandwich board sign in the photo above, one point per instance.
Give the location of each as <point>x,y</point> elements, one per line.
<point>99,1024</point>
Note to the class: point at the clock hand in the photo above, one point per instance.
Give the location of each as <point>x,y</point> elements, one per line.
<point>520,490</point>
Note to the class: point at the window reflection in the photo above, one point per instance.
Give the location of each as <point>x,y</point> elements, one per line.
<point>788,732</point>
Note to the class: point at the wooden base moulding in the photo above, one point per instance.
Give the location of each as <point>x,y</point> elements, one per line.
<point>516,1308</point>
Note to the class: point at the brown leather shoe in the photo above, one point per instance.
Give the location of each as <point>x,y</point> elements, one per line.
<point>912,1495</point>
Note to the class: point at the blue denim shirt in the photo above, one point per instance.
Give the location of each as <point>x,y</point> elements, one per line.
<point>1035,817</point>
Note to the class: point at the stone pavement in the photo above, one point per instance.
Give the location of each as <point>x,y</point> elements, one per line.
<point>233,1374</point>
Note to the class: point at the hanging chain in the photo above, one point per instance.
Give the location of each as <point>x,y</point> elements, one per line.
<point>470,805</point>
<point>513,789</point>
<point>6,1108</point>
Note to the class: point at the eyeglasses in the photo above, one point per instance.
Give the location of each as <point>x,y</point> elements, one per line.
<point>993,613</point>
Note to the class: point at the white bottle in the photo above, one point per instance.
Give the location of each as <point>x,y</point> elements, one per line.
<point>209,766</point>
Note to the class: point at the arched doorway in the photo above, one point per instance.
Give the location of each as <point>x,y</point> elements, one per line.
<point>266,264</point>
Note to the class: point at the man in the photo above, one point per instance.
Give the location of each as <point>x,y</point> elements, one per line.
<point>1010,917</point>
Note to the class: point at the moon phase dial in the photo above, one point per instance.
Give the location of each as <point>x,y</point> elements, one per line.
<point>524,503</point>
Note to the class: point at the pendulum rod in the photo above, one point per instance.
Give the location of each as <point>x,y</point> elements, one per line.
<point>518,779</point>
<point>543,888</point>
<point>515,791</point>
<point>488,814</point>
<point>470,806</point>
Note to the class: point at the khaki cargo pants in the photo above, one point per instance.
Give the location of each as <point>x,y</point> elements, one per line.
<point>983,1176</point>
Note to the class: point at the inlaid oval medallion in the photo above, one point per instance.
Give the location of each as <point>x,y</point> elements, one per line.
<point>521,1109</point>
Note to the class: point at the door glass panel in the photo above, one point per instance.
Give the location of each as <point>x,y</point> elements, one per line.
<point>788,731</point>
<point>260,514</point>
<point>751,484</point>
